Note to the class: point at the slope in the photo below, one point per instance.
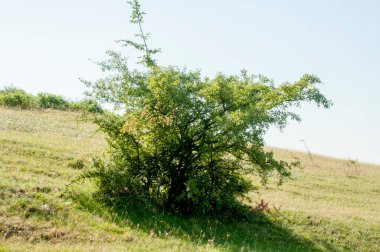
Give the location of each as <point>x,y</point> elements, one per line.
<point>329,205</point>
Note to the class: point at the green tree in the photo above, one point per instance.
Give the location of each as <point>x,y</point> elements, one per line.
<point>186,142</point>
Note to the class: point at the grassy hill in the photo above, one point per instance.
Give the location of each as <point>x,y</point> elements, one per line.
<point>329,205</point>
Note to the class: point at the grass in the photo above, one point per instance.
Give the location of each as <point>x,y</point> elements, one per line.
<point>329,205</point>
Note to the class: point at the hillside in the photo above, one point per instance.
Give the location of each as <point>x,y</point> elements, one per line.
<point>329,205</point>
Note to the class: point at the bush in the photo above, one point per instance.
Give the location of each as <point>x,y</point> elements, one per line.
<point>87,105</point>
<point>15,97</point>
<point>184,142</point>
<point>46,100</point>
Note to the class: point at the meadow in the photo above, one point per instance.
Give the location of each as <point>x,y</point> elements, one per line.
<point>328,205</point>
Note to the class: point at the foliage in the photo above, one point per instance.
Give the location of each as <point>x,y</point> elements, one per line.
<point>87,105</point>
<point>53,101</point>
<point>186,142</point>
<point>17,98</point>
<point>14,97</point>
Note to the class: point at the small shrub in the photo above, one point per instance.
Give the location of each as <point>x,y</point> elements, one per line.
<point>46,100</point>
<point>86,105</point>
<point>78,164</point>
<point>14,97</point>
<point>43,189</point>
<point>351,168</point>
<point>43,211</point>
<point>262,206</point>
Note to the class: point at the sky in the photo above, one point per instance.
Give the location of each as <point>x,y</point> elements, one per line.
<point>47,45</point>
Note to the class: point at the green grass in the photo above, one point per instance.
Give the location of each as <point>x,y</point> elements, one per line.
<point>327,206</point>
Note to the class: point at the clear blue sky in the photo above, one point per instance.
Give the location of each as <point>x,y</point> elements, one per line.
<point>45,46</point>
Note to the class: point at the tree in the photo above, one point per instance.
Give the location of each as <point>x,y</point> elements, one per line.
<point>185,142</point>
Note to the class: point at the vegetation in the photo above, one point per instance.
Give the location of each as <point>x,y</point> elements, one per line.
<point>13,97</point>
<point>186,142</point>
<point>41,151</point>
<point>46,100</point>
<point>182,141</point>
